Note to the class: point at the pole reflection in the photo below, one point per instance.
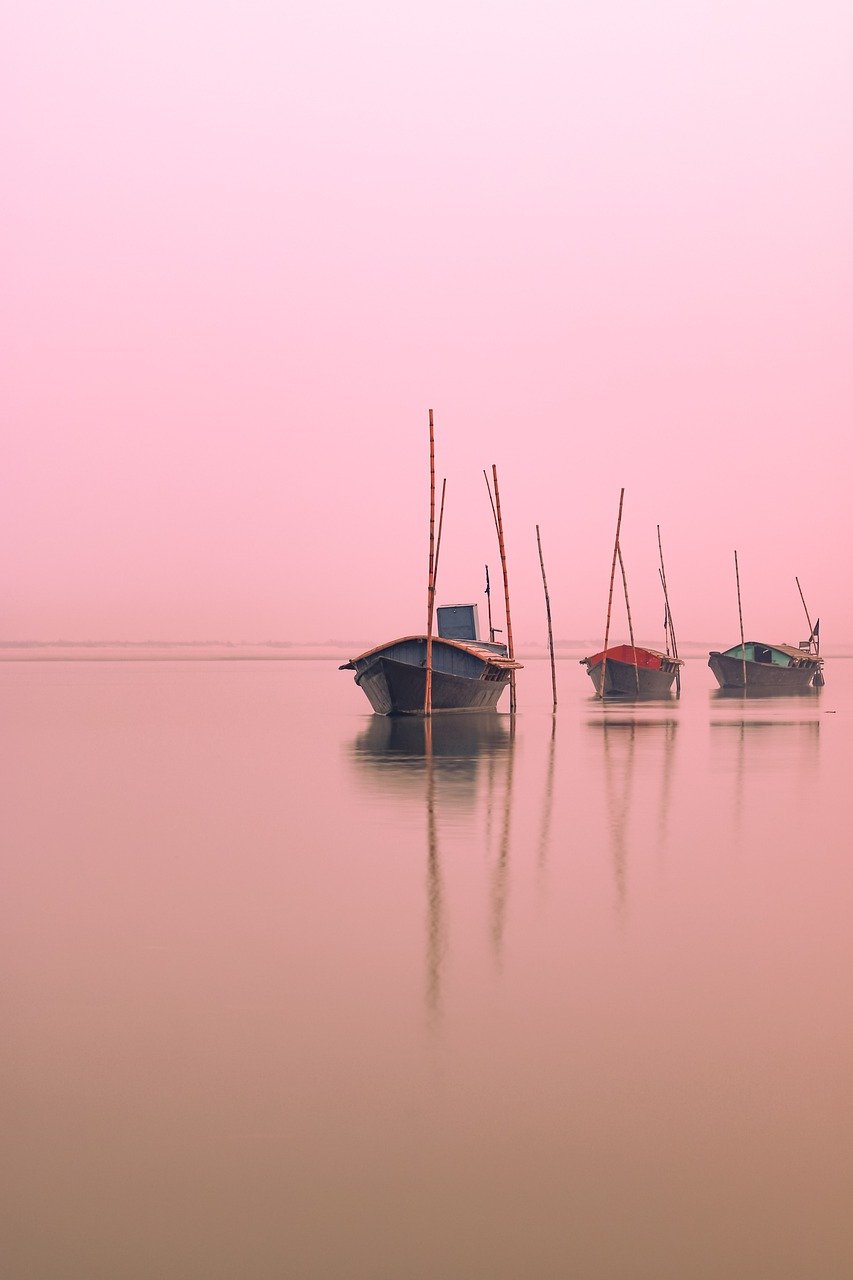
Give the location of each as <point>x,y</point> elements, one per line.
<point>500,877</point>
<point>435,922</point>
<point>624,738</point>
<point>548,802</point>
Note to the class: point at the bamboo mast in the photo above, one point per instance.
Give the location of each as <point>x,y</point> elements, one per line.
<point>548,615</point>
<point>500,528</point>
<point>740,617</point>
<point>431,583</point>
<point>669,616</point>
<point>808,619</point>
<point>665,616</point>
<point>610,597</point>
<point>489,602</point>
<point>630,624</point>
<point>438,536</point>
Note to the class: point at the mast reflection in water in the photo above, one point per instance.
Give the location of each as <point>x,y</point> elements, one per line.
<point>625,738</point>
<point>443,757</point>
<point>766,747</point>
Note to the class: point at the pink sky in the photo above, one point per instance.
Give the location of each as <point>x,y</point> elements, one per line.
<point>249,244</point>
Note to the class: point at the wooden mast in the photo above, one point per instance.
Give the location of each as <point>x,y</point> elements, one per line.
<point>431,581</point>
<point>740,617</point>
<point>630,624</point>
<point>610,597</point>
<point>548,615</point>
<point>808,619</point>
<point>438,536</point>
<point>489,600</point>
<point>669,617</point>
<point>500,528</point>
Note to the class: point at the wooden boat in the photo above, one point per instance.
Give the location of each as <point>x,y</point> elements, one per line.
<point>768,668</point>
<point>628,670</point>
<point>451,668</point>
<point>468,674</point>
<point>632,672</point>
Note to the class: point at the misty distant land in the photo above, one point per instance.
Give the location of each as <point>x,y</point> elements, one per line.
<point>297,650</point>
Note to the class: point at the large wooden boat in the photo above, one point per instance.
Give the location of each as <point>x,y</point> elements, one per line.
<point>632,672</point>
<point>768,668</point>
<point>468,674</point>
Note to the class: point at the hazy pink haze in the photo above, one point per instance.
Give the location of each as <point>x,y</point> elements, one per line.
<point>248,245</point>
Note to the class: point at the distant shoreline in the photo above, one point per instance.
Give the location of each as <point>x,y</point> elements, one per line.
<point>296,653</point>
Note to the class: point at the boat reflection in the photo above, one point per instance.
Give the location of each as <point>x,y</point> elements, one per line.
<point>396,751</point>
<point>753,694</point>
<point>786,747</point>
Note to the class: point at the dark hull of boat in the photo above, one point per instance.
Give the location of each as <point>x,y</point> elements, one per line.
<point>761,677</point>
<point>623,679</point>
<point>399,689</point>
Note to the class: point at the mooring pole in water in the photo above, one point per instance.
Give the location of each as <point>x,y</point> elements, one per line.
<point>500,528</point>
<point>548,615</point>
<point>489,600</point>
<point>740,617</point>
<point>610,597</point>
<point>630,624</point>
<point>431,583</point>
<point>669,617</point>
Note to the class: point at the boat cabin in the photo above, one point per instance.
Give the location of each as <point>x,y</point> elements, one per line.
<point>461,622</point>
<point>458,622</point>
<point>781,655</point>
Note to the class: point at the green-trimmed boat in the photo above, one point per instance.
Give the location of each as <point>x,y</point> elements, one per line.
<point>768,668</point>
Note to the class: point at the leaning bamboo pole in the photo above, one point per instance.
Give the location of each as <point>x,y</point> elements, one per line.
<point>610,598</point>
<point>808,619</point>
<point>669,617</point>
<point>431,582</point>
<point>630,624</point>
<point>740,617</point>
<point>438,536</point>
<point>489,600</point>
<point>509,645</point>
<point>665,616</point>
<point>548,615</point>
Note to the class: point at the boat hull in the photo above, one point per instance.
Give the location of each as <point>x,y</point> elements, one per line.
<point>762,677</point>
<point>399,689</point>
<point>624,680</point>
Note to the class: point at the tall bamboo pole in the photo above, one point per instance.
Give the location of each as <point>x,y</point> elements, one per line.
<point>740,617</point>
<point>510,650</point>
<point>669,616</point>
<point>610,597</point>
<point>431,584</point>
<point>630,624</point>
<point>548,615</point>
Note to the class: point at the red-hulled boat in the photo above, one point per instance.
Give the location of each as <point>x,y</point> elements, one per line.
<point>627,670</point>
<point>632,672</point>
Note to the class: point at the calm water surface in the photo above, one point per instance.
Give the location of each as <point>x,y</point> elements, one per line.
<point>292,992</point>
